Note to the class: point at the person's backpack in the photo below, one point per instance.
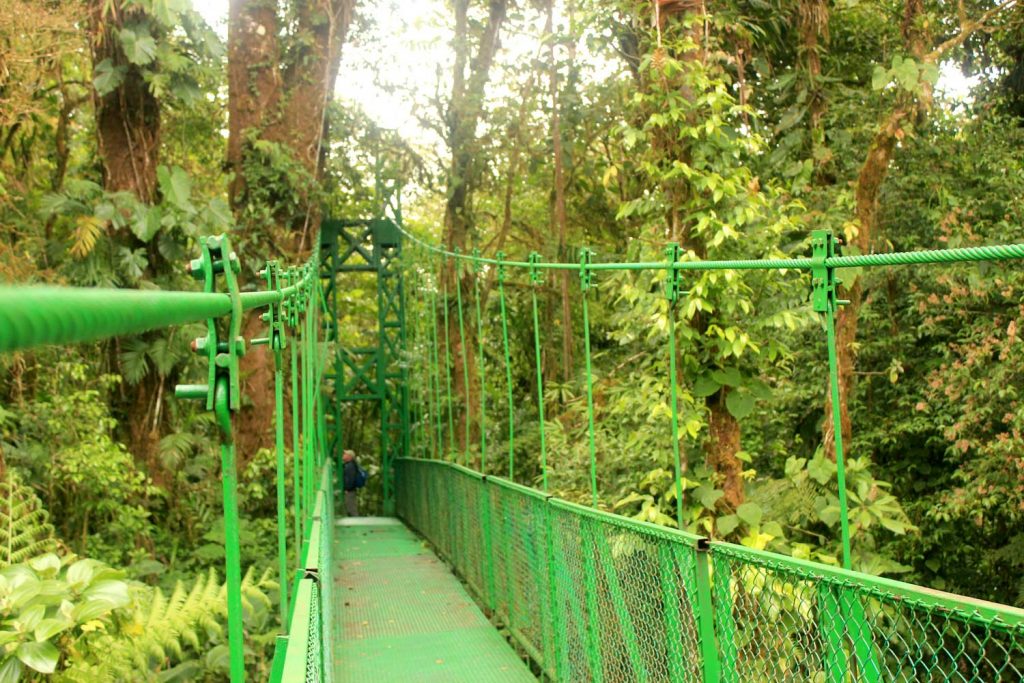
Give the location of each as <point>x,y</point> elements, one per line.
<point>361,477</point>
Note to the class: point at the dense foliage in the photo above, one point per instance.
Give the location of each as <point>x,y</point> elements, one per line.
<point>732,128</point>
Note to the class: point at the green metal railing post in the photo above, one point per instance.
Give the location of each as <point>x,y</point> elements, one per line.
<point>508,371</point>
<point>535,282</point>
<point>672,293</point>
<point>706,616</point>
<point>586,258</point>
<point>824,297</point>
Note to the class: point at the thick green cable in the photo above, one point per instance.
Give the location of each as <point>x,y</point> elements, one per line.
<point>585,256</point>
<point>837,429</point>
<point>448,368</point>
<point>483,377</point>
<point>508,374</point>
<point>535,282</point>
<point>465,364</point>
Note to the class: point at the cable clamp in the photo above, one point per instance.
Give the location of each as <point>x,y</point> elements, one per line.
<point>536,279</point>
<point>586,260</point>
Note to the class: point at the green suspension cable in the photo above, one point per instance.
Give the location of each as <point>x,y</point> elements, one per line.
<point>585,259</point>
<point>535,282</point>
<point>465,361</point>
<point>672,294</point>
<point>508,371</point>
<point>448,366</point>
<point>483,378</point>
<point>837,429</point>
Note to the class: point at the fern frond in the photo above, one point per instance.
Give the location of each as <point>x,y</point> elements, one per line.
<point>25,529</point>
<point>83,238</point>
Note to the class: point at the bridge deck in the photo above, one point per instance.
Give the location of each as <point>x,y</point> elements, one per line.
<point>403,616</point>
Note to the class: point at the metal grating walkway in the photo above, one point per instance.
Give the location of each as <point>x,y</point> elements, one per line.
<point>403,616</point>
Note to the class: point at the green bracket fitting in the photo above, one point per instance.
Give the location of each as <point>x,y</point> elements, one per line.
<point>673,278</point>
<point>536,277</point>
<point>500,258</point>
<point>824,283</point>
<point>478,266</point>
<point>586,259</point>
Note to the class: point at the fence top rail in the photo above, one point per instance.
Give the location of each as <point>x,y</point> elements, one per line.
<point>990,614</point>
<point>1000,252</point>
<point>889,590</point>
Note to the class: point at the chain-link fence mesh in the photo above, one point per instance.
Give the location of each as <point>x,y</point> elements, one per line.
<point>592,596</point>
<point>778,621</point>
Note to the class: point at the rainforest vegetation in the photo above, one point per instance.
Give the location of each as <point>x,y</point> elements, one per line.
<point>129,129</point>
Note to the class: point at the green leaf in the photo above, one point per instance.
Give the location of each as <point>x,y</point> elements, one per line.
<point>708,496</point>
<point>168,12</point>
<point>740,404</point>
<point>218,216</point>
<point>48,628</point>
<point>106,77</point>
<point>10,671</point>
<point>176,187</point>
<point>906,74</point>
<point>730,377</point>
<point>705,386</point>
<point>41,656</point>
<point>821,469</point>
<point>727,524</point>
<point>879,78</point>
<point>750,513</point>
<point>138,45</point>
<point>46,565</point>
<point>829,515</point>
<point>794,466</point>
<point>146,222</point>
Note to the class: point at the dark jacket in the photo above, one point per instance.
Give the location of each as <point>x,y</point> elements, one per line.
<point>350,475</point>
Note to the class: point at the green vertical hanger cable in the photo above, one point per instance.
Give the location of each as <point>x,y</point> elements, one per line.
<point>585,260</point>
<point>466,412</point>
<point>535,282</point>
<point>480,362</point>
<point>508,371</point>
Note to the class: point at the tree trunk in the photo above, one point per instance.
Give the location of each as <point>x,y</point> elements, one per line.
<point>866,193</point>
<point>280,96</point>
<point>464,112</point>
<point>128,137</point>
<point>721,449</point>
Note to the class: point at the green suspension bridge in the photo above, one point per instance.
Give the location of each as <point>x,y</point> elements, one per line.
<point>469,575</point>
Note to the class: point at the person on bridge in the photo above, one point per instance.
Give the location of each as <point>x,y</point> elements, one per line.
<point>353,479</point>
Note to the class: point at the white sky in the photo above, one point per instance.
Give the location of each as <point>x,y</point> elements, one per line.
<point>408,44</point>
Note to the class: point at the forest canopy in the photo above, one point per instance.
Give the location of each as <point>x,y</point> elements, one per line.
<point>132,129</point>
